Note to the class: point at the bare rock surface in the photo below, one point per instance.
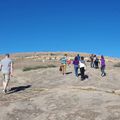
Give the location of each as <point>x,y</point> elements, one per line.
<point>46,94</point>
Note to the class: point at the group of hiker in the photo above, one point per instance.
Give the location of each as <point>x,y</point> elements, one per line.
<point>95,62</point>
<point>6,67</point>
<point>80,64</point>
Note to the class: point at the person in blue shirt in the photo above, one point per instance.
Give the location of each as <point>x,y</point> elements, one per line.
<point>63,66</point>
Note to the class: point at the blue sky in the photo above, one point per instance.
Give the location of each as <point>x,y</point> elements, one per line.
<point>91,26</point>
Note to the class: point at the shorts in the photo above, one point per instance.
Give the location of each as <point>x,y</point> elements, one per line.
<point>6,77</point>
<point>64,66</point>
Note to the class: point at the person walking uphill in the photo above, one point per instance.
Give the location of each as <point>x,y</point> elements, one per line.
<point>63,66</point>
<point>6,66</point>
<point>82,68</point>
<point>96,62</point>
<point>76,65</point>
<point>92,60</point>
<point>102,61</point>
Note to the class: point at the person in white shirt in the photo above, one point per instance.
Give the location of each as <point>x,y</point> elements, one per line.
<point>82,68</point>
<point>6,66</point>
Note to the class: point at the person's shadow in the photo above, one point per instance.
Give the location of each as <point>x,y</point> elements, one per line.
<point>68,73</point>
<point>85,76</point>
<point>79,74</point>
<point>17,89</point>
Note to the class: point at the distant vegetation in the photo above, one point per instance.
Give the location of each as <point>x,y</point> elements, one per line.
<point>117,65</point>
<point>38,67</point>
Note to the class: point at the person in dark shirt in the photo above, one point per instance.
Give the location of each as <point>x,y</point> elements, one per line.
<point>76,65</point>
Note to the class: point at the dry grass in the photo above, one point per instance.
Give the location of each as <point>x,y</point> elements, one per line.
<point>38,67</point>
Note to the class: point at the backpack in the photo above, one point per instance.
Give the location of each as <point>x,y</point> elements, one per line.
<point>97,60</point>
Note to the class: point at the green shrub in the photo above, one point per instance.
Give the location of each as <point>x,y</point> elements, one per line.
<point>38,67</point>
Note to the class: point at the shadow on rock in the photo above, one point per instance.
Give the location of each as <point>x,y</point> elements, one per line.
<point>85,77</point>
<point>68,73</point>
<point>79,74</point>
<point>17,89</point>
